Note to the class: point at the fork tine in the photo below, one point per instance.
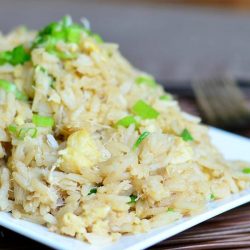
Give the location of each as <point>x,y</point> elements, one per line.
<point>202,100</point>
<point>213,90</point>
<point>225,108</point>
<point>231,103</point>
<point>237,102</point>
<point>237,93</point>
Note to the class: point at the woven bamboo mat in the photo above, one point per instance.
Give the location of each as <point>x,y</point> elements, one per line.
<point>230,230</point>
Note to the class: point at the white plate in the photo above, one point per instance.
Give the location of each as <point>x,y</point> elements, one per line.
<point>232,147</point>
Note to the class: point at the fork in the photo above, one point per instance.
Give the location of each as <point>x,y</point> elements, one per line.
<point>222,103</point>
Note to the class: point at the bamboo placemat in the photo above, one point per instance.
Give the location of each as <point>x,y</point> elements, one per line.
<point>230,230</point>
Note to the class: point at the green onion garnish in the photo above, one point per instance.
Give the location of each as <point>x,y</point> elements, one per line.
<point>97,38</point>
<point>73,34</point>
<point>12,128</point>
<point>127,121</point>
<point>186,136</point>
<point>92,191</point>
<point>147,80</point>
<point>21,96</point>
<point>19,55</point>
<point>43,121</point>
<point>165,97</point>
<point>246,170</point>
<point>5,57</point>
<point>64,30</point>
<point>10,87</point>
<point>7,86</point>
<point>212,196</point>
<point>16,56</point>
<point>133,199</point>
<point>144,110</point>
<point>22,132</point>
<point>140,139</point>
<point>63,55</point>
<point>66,21</point>
<point>170,209</point>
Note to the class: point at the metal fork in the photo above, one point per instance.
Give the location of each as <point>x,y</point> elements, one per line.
<point>222,103</point>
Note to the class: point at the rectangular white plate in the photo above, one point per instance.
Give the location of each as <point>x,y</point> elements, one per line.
<point>232,147</point>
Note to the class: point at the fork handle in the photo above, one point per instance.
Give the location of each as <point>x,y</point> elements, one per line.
<point>184,89</point>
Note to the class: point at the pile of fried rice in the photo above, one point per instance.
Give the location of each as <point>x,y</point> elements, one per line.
<point>93,148</point>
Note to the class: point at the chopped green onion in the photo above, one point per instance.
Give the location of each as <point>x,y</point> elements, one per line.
<point>92,191</point>
<point>32,132</point>
<point>10,87</point>
<point>66,21</point>
<point>127,121</point>
<point>186,136</point>
<point>63,55</point>
<point>212,196</point>
<point>97,38</point>
<point>7,86</point>
<point>147,80</point>
<point>50,46</point>
<point>133,199</point>
<point>49,43</point>
<point>140,139</point>
<point>170,209</point>
<point>165,97</point>
<point>16,56</point>
<point>5,57</point>
<point>23,132</point>
<point>64,30</point>
<point>144,110</point>
<point>73,34</point>
<point>19,55</point>
<point>21,96</point>
<point>49,29</point>
<point>246,170</point>
<point>12,128</point>
<point>43,121</point>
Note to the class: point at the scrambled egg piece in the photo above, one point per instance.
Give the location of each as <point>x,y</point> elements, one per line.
<point>72,224</point>
<point>81,153</point>
<point>94,213</point>
<point>180,153</point>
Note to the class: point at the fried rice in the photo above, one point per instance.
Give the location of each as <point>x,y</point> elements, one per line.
<point>93,148</point>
